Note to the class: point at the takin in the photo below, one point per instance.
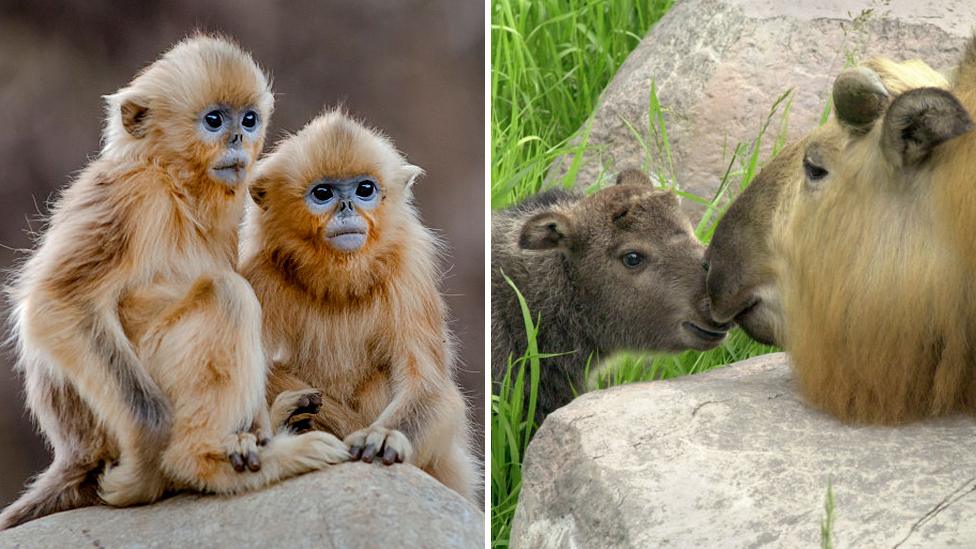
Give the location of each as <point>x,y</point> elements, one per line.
<point>616,270</point>
<point>851,249</point>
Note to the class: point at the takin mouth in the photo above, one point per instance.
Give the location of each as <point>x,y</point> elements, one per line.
<point>702,333</point>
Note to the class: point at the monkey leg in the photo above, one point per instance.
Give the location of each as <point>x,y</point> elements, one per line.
<point>206,352</point>
<point>89,349</point>
<point>80,446</point>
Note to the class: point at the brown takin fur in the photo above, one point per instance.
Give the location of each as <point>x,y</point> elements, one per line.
<point>873,252</point>
<point>347,278</point>
<point>139,343</point>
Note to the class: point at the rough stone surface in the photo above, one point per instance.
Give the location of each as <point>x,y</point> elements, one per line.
<point>348,506</point>
<point>733,458</point>
<point>719,65</point>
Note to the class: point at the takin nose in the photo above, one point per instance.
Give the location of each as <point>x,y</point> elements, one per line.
<point>728,294</point>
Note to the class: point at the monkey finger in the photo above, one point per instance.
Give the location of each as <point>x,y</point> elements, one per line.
<point>253,462</point>
<point>237,461</point>
<point>390,456</point>
<point>355,452</point>
<point>369,453</point>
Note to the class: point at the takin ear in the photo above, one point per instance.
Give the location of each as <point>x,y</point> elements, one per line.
<point>920,120</point>
<point>632,176</point>
<point>859,98</point>
<point>135,117</point>
<point>412,174</point>
<point>545,231</point>
<point>259,191</point>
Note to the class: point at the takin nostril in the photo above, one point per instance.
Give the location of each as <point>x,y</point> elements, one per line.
<point>705,265</point>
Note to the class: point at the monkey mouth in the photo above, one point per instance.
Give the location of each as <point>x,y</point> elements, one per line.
<point>230,167</point>
<point>347,239</point>
<point>710,334</point>
<point>344,231</point>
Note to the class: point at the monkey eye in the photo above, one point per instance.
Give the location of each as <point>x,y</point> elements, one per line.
<point>813,171</point>
<point>250,120</point>
<point>366,189</point>
<point>213,119</point>
<point>632,259</point>
<point>322,193</point>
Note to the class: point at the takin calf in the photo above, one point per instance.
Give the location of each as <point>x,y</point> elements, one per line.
<point>619,269</point>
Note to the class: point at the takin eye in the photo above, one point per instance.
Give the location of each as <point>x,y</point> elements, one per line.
<point>213,120</point>
<point>322,193</point>
<point>366,189</point>
<point>250,120</point>
<point>813,171</point>
<point>632,259</point>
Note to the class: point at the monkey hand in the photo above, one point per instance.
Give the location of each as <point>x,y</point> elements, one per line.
<point>242,451</point>
<point>294,410</point>
<point>390,445</point>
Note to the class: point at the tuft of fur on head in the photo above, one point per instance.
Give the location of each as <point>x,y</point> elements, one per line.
<point>156,113</point>
<point>284,229</point>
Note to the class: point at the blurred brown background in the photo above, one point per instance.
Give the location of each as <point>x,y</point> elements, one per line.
<point>412,68</point>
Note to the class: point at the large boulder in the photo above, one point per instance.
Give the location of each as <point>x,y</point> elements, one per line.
<point>733,458</point>
<point>720,64</point>
<point>347,506</point>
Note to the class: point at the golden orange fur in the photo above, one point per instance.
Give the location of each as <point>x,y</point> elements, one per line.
<point>878,276</point>
<point>366,328</point>
<point>139,342</point>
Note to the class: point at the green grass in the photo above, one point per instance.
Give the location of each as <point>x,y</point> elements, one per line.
<point>550,61</point>
<point>827,524</point>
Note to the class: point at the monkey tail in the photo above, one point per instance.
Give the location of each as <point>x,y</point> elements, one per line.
<point>63,486</point>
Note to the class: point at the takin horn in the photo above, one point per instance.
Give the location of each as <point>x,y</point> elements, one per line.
<point>859,98</point>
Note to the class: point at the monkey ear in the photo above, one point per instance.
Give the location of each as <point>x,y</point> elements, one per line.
<point>135,117</point>
<point>259,191</point>
<point>545,231</point>
<point>920,120</point>
<point>412,173</point>
<point>633,176</point>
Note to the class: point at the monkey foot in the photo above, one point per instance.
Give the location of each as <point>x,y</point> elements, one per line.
<point>242,451</point>
<point>294,410</point>
<point>390,445</point>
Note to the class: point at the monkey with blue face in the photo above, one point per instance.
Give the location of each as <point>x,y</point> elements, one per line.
<point>139,343</point>
<point>347,278</point>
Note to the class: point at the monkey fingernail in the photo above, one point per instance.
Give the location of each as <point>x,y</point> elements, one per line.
<point>390,456</point>
<point>369,453</point>
<point>238,462</point>
<point>356,452</point>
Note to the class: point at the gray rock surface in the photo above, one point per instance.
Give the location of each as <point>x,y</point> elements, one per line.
<point>719,65</point>
<point>348,506</point>
<point>733,458</point>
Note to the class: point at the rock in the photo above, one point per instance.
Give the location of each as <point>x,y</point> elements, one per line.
<point>719,65</point>
<point>351,505</point>
<point>733,458</point>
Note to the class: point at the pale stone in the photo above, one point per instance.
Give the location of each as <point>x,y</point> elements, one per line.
<point>734,458</point>
<point>347,506</point>
<point>719,65</point>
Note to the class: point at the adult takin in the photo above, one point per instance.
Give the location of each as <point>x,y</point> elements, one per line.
<point>863,240</point>
<point>619,269</point>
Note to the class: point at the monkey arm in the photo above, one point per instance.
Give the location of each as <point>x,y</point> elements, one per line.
<point>420,375</point>
<point>90,345</point>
